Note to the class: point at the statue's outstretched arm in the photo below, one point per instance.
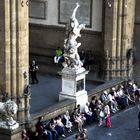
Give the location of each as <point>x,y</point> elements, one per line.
<point>75,9</point>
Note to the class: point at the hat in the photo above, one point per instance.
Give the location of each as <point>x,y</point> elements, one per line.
<point>113,88</point>
<point>130,83</point>
<point>121,87</point>
<point>105,92</point>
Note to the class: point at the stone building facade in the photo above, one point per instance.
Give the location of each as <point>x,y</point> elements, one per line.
<point>50,30</point>
<point>108,36</point>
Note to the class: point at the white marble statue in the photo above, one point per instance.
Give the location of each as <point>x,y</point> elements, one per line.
<point>72,59</point>
<point>7,111</point>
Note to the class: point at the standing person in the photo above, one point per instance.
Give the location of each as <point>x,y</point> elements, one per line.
<point>107,115</point>
<point>24,135</point>
<point>139,120</point>
<point>101,113</point>
<point>33,69</point>
<point>58,56</point>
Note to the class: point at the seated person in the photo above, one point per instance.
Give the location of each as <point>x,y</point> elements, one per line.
<point>131,91</point>
<point>39,126</point>
<point>113,102</point>
<point>77,118</point>
<point>88,114</point>
<point>104,97</point>
<point>59,126</point>
<point>59,55</point>
<point>68,123</point>
<point>121,98</point>
<point>41,131</point>
<point>51,127</point>
<point>136,91</point>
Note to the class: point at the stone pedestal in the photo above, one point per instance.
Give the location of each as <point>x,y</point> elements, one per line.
<point>73,85</point>
<point>12,126</point>
<point>7,134</point>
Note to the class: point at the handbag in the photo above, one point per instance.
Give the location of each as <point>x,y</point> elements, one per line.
<point>101,114</point>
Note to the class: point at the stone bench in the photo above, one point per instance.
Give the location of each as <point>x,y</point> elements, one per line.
<point>63,106</point>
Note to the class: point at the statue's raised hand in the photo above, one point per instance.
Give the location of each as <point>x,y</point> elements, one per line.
<point>77,5</point>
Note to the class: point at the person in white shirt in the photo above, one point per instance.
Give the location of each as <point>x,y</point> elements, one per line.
<point>59,126</point>
<point>107,115</point>
<point>113,102</point>
<point>77,118</point>
<point>87,110</point>
<point>121,98</point>
<point>88,114</point>
<point>68,124</point>
<point>137,91</point>
<point>101,114</point>
<point>104,97</point>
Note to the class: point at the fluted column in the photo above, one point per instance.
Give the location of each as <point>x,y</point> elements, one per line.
<point>119,36</point>
<point>14,52</point>
<point>110,37</point>
<point>127,36</point>
<point>118,39</point>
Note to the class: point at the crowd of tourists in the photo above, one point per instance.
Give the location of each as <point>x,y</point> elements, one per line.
<point>100,108</point>
<point>97,111</point>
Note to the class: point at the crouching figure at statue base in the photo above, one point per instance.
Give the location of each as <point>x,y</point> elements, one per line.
<point>7,111</point>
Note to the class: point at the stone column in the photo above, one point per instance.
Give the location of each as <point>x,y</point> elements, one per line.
<point>110,38</point>
<point>127,37</point>
<point>119,24</point>
<point>119,36</point>
<point>14,52</point>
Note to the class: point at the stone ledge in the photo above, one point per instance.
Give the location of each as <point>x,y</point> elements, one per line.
<point>6,134</point>
<point>9,131</point>
<point>61,107</point>
<point>54,110</point>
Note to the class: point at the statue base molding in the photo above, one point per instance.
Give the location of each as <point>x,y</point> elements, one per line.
<point>8,134</point>
<point>9,125</point>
